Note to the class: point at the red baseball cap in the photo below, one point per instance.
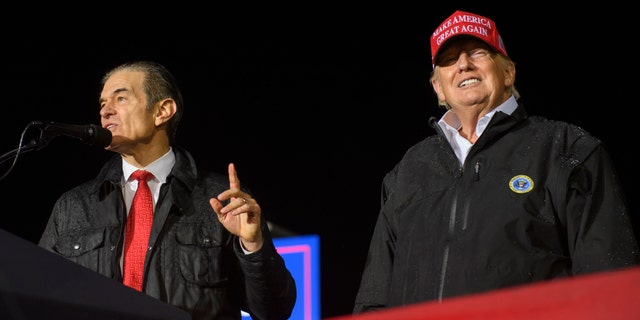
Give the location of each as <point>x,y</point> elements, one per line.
<point>466,23</point>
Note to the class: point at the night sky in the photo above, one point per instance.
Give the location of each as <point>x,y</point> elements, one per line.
<point>313,105</point>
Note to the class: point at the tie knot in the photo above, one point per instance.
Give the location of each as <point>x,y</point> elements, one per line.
<point>142,175</point>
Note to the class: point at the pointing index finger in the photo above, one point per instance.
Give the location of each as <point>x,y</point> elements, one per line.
<point>234,182</point>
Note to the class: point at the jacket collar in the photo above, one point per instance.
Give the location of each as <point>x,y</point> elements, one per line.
<point>184,170</point>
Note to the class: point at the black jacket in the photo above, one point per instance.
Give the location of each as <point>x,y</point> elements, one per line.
<point>536,199</point>
<point>195,264</point>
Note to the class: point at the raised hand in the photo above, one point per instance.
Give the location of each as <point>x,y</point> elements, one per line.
<point>242,214</point>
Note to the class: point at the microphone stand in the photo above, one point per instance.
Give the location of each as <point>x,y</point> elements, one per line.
<point>35,144</point>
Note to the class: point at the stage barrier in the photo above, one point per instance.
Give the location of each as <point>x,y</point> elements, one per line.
<point>605,295</point>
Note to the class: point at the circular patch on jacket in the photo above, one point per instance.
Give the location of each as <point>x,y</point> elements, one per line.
<point>521,184</point>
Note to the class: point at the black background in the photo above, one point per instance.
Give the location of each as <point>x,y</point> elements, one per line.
<point>314,105</point>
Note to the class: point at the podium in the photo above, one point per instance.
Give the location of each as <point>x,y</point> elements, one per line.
<point>38,284</point>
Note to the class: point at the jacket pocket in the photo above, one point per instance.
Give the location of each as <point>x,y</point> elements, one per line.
<point>200,257</point>
<point>81,246</point>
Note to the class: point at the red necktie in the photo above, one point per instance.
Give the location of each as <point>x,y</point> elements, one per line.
<point>137,231</point>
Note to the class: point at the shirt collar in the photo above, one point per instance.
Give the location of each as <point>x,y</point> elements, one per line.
<point>160,168</point>
<point>450,123</point>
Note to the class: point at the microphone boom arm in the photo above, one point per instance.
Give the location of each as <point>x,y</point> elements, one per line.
<point>89,134</point>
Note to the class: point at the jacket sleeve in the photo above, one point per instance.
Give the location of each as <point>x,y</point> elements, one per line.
<point>376,278</point>
<point>270,287</point>
<point>599,227</point>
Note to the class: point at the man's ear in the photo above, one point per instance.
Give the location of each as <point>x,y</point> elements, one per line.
<point>510,75</point>
<point>166,110</point>
<point>437,88</point>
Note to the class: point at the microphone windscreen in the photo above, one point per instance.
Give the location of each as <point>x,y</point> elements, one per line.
<point>101,137</point>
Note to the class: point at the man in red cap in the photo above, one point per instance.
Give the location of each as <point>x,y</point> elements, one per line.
<point>496,198</point>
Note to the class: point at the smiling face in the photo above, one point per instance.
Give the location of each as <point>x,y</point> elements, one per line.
<point>468,73</point>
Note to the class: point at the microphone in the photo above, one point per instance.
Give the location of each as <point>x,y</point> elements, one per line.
<point>91,134</point>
